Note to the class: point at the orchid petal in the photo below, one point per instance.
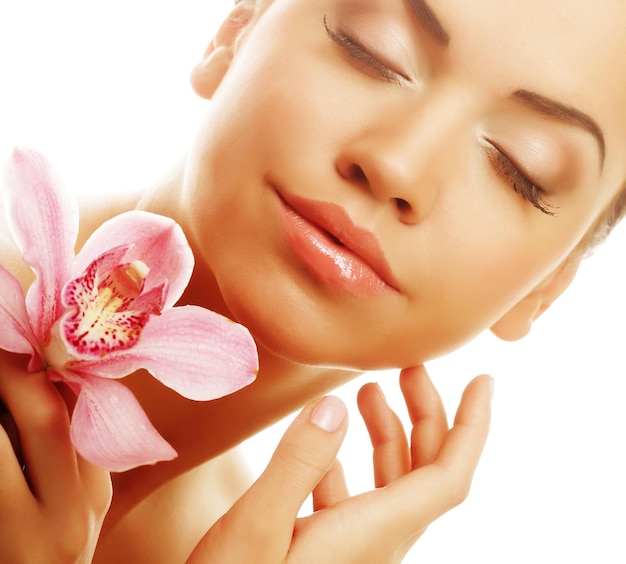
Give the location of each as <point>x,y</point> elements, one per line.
<point>108,313</point>
<point>152,300</point>
<point>110,429</point>
<point>196,352</point>
<point>159,242</point>
<point>103,263</point>
<point>43,219</point>
<point>106,307</point>
<point>16,334</point>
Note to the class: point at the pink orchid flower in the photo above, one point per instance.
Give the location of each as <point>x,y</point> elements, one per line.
<point>89,319</point>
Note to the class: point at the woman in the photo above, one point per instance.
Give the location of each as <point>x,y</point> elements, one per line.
<point>425,137</point>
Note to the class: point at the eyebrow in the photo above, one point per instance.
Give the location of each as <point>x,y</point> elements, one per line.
<point>542,104</point>
<point>566,114</point>
<point>430,21</point>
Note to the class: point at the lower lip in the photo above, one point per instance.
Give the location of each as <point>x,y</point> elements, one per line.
<point>329,260</point>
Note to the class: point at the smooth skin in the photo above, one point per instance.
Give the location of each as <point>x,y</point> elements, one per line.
<point>417,480</point>
<point>414,161</point>
<point>415,484</point>
<point>54,509</point>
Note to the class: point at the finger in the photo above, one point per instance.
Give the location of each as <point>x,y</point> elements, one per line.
<point>7,423</point>
<point>464,443</point>
<point>97,484</point>
<point>411,503</point>
<point>13,487</point>
<point>331,489</point>
<point>96,480</point>
<point>42,420</point>
<point>427,414</point>
<point>267,512</point>
<point>303,456</point>
<point>426,493</point>
<point>391,449</point>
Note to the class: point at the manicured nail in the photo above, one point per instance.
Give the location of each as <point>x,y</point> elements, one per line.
<point>328,414</point>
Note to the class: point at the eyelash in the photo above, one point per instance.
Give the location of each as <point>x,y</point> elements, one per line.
<point>522,185</point>
<point>361,54</point>
<point>503,165</point>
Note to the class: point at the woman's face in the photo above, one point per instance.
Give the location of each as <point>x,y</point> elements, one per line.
<point>470,144</point>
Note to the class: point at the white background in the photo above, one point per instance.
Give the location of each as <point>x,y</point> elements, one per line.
<point>102,89</point>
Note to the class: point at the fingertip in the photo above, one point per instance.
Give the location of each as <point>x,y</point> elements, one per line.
<point>413,372</point>
<point>368,387</point>
<point>303,456</point>
<point>328,414</point>
<point>413,378</point>
<point>484,381</point>
<point>370,392</point>
<point>476,400</point>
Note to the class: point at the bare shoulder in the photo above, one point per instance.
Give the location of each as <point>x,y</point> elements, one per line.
<point>10,256</point>
<point>167,525</point>
<point>96,209</point>
<point>94,212</point>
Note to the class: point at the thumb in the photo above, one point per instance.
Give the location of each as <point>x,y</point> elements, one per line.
<point>304,455</point>
<point>262,521</point>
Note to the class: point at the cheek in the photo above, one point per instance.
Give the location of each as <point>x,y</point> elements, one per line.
<point>467,279</point>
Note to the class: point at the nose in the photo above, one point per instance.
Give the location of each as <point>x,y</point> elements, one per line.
<point>399,158</point>
<point>387,178</point>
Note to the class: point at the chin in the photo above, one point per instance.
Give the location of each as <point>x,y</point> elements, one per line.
<point>307,343</point>
<point>303,330</point>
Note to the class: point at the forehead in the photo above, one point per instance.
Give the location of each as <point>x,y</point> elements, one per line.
<point>570,39</point>
<point>572,51</point>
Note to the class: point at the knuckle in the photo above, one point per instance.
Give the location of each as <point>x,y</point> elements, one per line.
<point>49,414</point>
<point>103,501</point>
<point>297,459</point>
<point>76,534</point>
<point>457,485</point>
<point>460,494</point>
<point>260,537</point>
<point>100,496</point>
<point>34,400</point>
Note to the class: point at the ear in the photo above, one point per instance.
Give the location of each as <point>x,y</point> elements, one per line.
<point>207,75</point>
<point>516,322</point>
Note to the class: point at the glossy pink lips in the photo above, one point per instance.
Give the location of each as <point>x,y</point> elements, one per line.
<point>326,240</point>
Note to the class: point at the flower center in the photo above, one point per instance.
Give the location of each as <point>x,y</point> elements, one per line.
<point>106,313</point>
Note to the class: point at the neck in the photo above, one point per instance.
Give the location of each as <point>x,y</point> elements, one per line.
<point>281,387</point>
<point>200,431</point>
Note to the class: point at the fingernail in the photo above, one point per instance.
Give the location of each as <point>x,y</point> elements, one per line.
<point>328,414</point>
<point>492,384</point>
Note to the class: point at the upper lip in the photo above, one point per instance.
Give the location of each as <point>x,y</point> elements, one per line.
<point>334,219</point>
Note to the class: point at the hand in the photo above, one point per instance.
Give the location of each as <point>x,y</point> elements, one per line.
<point>415,485</point>
<point>51,511</point>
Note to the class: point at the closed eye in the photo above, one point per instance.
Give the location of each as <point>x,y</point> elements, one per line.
<point>521,184</point>
<point>363,56</point>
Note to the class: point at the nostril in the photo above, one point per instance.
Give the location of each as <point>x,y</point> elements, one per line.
<point>357,173</point>
<point>402,205</point>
